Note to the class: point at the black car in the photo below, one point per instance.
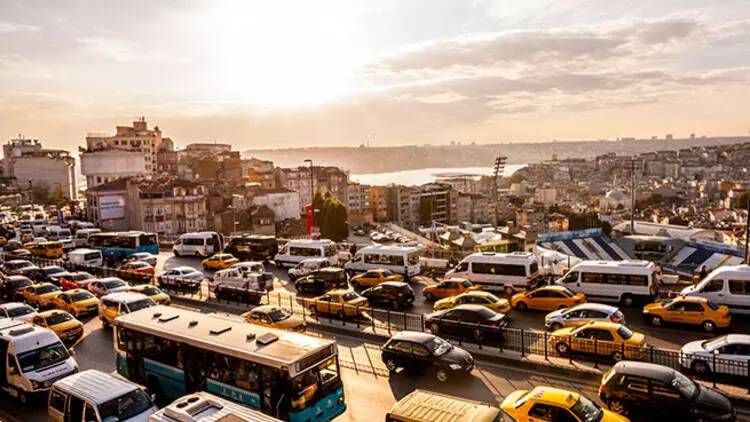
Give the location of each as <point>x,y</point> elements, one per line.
<point>391,294</point>
<point>321,281</point>
<point>469,321</point>
<point>12,287</point>
<point>645,390</point>
<point>12,245</point>
<point>423,351</point>
<point>50,274</point>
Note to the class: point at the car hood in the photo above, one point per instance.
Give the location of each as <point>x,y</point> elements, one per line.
<point>652,307</point>
<point>693,347</point>
<point>712,402</point>
<point>443,303</point>
<point>555,314</point>
<point>67,325</point>
<point>457,355</point>
<point>636,339</point>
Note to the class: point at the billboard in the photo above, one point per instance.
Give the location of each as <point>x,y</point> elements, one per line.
<point>111,207</point>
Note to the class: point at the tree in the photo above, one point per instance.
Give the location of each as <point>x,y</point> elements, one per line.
<point>606,228</point>
<point>331,216</point>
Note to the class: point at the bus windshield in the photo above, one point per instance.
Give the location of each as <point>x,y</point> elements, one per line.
<point>125,407</point>
<point>44,357</point>
<point>304,386</point>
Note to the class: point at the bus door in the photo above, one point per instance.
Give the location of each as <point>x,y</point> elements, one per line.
<point>195,369</point>
<point>273,386</point>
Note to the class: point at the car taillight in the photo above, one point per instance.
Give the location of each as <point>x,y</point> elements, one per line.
<point>614,319</point>
<point>601,389</point>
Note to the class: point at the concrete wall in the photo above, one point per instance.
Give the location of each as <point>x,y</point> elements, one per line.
<point>285,205</point>
<point>102,166</point>
<point>54,173</point>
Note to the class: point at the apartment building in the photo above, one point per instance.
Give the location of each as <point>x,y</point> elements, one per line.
<point>259,171</point>
<point>324,178</point>
<point>33,166</point>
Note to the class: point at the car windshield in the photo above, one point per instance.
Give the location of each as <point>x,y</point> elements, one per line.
<point>713,306</point>
<point>113,284</point>
<point>58,318</point>
<point>684,385</point>
<point>387,273</point>
<point>81,276</point>
<point>715,343</point>
<point>47,288</point>
<point>493,298</point>
<point>624,332</point>
<point>125,407</point>
<point>140,304</point>
<point>81,296</point>
<point>567,292</point>
<point>53,270</point>
<point>43,357</point>
<point>279,315</point>
<point>586,410</point>
<point>20,282</point>
<point>467,284</point>
<point>438,346</point>
<point>20,311</point>
<point>150,291</point>
<point>350,296</point>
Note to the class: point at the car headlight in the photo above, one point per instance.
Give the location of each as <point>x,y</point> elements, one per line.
<point>455,366</point>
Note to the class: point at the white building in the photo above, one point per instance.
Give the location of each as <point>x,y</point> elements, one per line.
<point>285,203</point>
<point>101,167</point>
<point>32,166</point>
<point>616,198</point>
<point>546,196</point>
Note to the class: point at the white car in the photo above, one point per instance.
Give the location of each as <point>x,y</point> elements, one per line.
<point>728,354</point>
<point>188,273</point>
<point>108,285</point>
<point>146,257</point>
<point>17,310</point>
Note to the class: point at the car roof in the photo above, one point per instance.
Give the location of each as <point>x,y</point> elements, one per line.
<point>13,305</point>
<point>394,283</point>
<point>183,268</point>
<point>74,291</point>
<point>266,308</point>
<point>95,386</point>
<point>700,299</point>
<point>414,336</point>
<point>738,338</point>
<point>51,312</point>
<point>553,395</point>
<point>339,291</point>
<point>595,306</point>
<point>607,325</point>
<point>471,307</point>
<point>124,296</point>
<point>648,370</point>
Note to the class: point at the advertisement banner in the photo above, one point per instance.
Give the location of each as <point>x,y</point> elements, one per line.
<point>111,207</point>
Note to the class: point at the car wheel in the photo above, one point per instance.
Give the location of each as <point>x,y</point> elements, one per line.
<point>395,305</point>
<point>22,397</point>
<point>617,356</point>
<point>700,367</point>
<point>656,321</point>
<point>709,326</point>
<point>509,290</point>
<point>478,334</point>
<point>562,348</point>
<point>441,375</point>
<point>391,365</point>
<point>555,326</point>
<point>627,301</point>
<point>429,296</point>
<point>618,407</point>
<point>434,328</point>
<point>522,306</point>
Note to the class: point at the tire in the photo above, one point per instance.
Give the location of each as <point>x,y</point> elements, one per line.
<point>429,296</point>
<point>509,290</point>
<point>105,323</point>
<point>522,306</point>
<point>391,365</point>
<point>618,407</point>
<point>478,334</point>
<point>434,328</point>
<point>555,326</point>
<point>627,301</point>
<point>396,305</point>
<point>617,356</point>
<point>22,397</point>
<point>709,326</point>
<point>562,348</point>
<point>656,321</point>
<point>701,368</point>
<point>441,374</point>
<point>177,254</point>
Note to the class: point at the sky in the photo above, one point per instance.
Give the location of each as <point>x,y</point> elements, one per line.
<point>275,74</point>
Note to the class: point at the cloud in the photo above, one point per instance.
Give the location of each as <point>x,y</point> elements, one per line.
<point>16,28</point>
<point>110,48</point>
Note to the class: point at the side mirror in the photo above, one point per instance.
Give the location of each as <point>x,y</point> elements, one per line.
<point>12,370</point>
<point>72,351</point>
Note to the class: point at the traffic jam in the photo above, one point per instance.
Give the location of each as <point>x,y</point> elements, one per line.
<point>56,275</point>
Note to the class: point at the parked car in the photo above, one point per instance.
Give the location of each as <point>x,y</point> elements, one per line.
<point>139,267</point>
<point>374,277</point>
<point>146,257</point>
<point>321,281</point>
<point>727,355</point>
<point>12,287</point>
<point>469,321</point>
<point>640,389</point>
<point>447,288</point>
<point>275,317</point>
<point>307,266</point>
<point>391,294</point>
<point>547,298</point>
<point>600,338</point>
<point>12,245</point>
<point>688,310</point>
<point>219,261</point>
<point>76,302</point>
<point>426,352</point>
<point>67,328</point>
<point>486,299</point>
<point>182,278</point>
<point>108,285</point>
<point>153,292</point>
<point>76,280</point>
<point>555,404</point>
<point>582,314</point>
<point>11,267</point>
<point>17,310</point>
<point>340,302</point>
<point>41,295</point>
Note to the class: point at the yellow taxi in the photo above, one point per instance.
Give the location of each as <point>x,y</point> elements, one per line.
<point>547,298</point>
<point>486,299</point>
<point>340,302</point>
<point>219,261</point>
<point>275,317</point>
<point>153,292</point>
<point>448,288</point>
<point>374,277</point>
<point>689,310</point>
<point>600,338</point>
<point>67,328</point>
<point>49,249</point>
<point>554,404</point>
<point>41,294</point>
<point>77,302</point>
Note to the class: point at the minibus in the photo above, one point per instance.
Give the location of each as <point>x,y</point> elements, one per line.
<point>399,259</point>
<point>295,251</point>
<point>82,236</point>
<point>625,282</point>
<point>198,244</point>
<point>511,272</point>
<point>728,285</point>
<point>86,257</point>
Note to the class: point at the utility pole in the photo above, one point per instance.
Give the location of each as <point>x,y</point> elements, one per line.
<point>632,196</point>
<point>499,169</point>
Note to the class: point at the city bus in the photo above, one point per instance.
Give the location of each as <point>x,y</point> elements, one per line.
<point>124,244</point>
<point>174,352</point>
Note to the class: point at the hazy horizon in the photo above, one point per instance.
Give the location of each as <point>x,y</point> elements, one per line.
<point>302,74</point>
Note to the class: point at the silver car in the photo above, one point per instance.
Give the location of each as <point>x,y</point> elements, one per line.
<point>581,314</point>
<point>108,285</point>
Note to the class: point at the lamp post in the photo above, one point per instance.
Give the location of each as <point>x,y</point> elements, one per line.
<point>312,189</point>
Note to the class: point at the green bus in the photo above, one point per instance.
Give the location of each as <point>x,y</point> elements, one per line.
<point>176,351</point>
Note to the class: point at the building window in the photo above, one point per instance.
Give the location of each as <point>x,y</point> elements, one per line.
<point>98,179</point>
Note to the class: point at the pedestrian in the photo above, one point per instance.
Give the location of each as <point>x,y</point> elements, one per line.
<point>703,273</point>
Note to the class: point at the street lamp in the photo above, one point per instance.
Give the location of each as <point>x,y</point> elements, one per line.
<point>312,189</point>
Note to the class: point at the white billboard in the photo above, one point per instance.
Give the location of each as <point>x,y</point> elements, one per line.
<point>111,207</point>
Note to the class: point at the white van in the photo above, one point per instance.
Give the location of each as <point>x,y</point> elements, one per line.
<point>87,257</point>
<point>95,396</point>
<point>198,244</point>
<point>297,250</point>
<point>205,407</point>
<point>399,259</point>
<point>35,358</point>
<point>82,236</point>
<point>728,285</point>
<point>494,271</point>
<point>38,227</point>
<point>625,282</point>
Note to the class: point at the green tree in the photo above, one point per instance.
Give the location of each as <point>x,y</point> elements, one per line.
<point>606,228</point>
<point>331,216</point>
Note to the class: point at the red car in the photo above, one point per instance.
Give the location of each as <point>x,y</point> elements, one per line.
<point>76,280</point>
<point>139,267</point>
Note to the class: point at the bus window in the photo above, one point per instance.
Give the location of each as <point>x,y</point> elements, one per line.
<point>147,239</point>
